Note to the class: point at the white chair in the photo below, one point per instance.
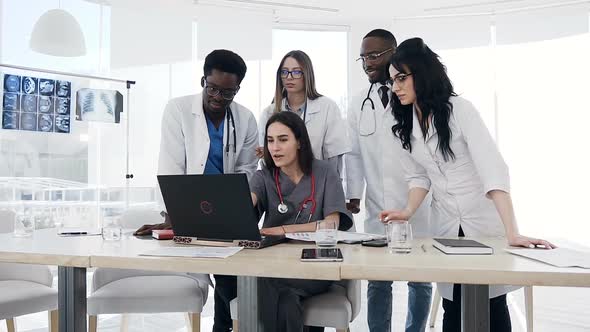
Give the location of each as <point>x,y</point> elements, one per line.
<point>122,291</point>
<point>528,305</point>
<point>336,308</point>
<point>25,289</point>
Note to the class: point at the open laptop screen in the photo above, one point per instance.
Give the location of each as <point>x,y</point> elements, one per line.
<point>210,207</point>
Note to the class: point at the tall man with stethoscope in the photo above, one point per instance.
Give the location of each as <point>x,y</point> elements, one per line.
<point>209,133</point>
<point>374,161</point>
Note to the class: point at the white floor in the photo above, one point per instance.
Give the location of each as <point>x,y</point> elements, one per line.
<point>556,309</point>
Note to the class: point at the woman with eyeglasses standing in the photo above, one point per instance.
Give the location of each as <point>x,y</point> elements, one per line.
<point>449,151</point>
<point>296,92</point>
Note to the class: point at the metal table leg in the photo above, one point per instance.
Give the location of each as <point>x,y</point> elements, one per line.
<point>248,305</point>
<point>72,299</point>
<point>475,308</point>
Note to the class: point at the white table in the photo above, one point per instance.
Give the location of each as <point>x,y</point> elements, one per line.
<point>474,272</point>
<point>74,255</point>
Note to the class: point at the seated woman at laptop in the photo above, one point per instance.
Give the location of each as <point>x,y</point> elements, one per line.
<point>295,191</point>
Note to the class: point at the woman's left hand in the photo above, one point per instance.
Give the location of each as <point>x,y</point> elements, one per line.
<point>529,242</point>
<point>272,231</point>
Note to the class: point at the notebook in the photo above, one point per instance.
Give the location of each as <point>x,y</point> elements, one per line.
<point>462,247</point>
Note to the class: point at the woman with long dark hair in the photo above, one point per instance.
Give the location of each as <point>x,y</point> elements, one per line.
<point>295,91</point>
<point>450,152</point>
<point>295,191</point>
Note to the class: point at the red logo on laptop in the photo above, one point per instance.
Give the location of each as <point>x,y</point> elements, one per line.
<point>206,207</point>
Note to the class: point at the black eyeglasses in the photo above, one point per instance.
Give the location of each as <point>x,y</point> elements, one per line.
<point>297,73</point>
<point>373,56</point>
<point>399,79</point>
<point>227,94</point>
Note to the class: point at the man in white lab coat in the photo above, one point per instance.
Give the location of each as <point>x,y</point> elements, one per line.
<point>375,161</point>
<point>209,133</point>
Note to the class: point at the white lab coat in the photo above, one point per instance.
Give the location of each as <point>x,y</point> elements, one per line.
<point>459,186</point>
<point>375,161</point>
<point>325,126</point>
<point>185,141</point>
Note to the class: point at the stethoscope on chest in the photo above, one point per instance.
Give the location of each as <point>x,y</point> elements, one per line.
<point>362,130</point>
<point>229,117</point>
<point>310,200</point>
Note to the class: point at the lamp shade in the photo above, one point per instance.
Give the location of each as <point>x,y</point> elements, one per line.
<point>58,33</point>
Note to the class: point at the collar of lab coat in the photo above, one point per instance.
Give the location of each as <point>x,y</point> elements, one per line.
<point>201,122</point>
<point>417,132</point>
<point>200,112</point>
<point>312,107</point>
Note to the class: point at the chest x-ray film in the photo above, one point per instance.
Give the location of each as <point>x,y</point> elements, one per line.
<point>99,105</point>
<point>36,104</point>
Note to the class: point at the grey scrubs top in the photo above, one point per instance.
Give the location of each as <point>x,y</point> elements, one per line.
<point>329,196</point>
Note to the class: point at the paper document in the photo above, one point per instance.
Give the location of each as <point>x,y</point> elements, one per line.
<point>342,236</point>
<point>195,252</point>
<point>560,257</point>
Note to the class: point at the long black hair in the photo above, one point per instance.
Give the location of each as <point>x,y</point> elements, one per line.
<point>433,92</point>
<point>297,126</point>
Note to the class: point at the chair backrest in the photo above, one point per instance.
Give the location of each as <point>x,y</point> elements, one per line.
<point>34,273</point>
<point>7,221</point>
<point>13,271</point>
<point>137,217</point>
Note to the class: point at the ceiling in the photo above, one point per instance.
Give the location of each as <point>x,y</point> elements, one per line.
<point>345,12</point>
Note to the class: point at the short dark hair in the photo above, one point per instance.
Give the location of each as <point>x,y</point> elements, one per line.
<point>383,34</point>
<point>297,126</point>
<point>225,61</point>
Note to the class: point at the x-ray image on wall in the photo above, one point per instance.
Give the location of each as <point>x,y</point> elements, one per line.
<point>33,103</point>
<point>46,104</point>
<point>12,83</point>
<point>99,105</point>
<point>10,120</point>
<point>30,85</point>
<point>62,123</point>
<point>29,103</point>
<point>46,87</point>
<point>45,123</point>
<point>10,101</point>
<point>62,105</point>
<point>28,121</point>
<point>64,89</point>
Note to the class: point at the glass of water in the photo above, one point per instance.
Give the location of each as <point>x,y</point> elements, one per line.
<point>399,237</point>
<point>24,225</point>
<point>326,234</point>
<point>111,229</point>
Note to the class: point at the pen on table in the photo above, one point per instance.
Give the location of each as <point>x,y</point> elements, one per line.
<point>423,249</point>
<point>74,233</point>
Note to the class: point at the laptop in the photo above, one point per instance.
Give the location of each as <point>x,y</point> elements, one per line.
<point>213,210</point>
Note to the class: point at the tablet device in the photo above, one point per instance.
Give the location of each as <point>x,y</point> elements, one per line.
<point>321,255</point>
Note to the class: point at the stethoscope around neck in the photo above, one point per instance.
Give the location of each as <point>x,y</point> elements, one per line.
<point>368,99</point>
<point>283,208</point>
<point>229,116</point>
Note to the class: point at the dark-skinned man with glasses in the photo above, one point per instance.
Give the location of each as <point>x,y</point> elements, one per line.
<point>209,133</point>
<point>375,162</point>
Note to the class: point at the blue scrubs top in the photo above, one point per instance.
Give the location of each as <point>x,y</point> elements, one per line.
<point>214,163</point>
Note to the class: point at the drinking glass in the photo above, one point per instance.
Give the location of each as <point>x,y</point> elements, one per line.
<point>399,237</point>
<point>326,234</point>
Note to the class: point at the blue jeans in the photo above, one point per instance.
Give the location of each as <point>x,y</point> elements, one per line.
<point>379,300</point>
